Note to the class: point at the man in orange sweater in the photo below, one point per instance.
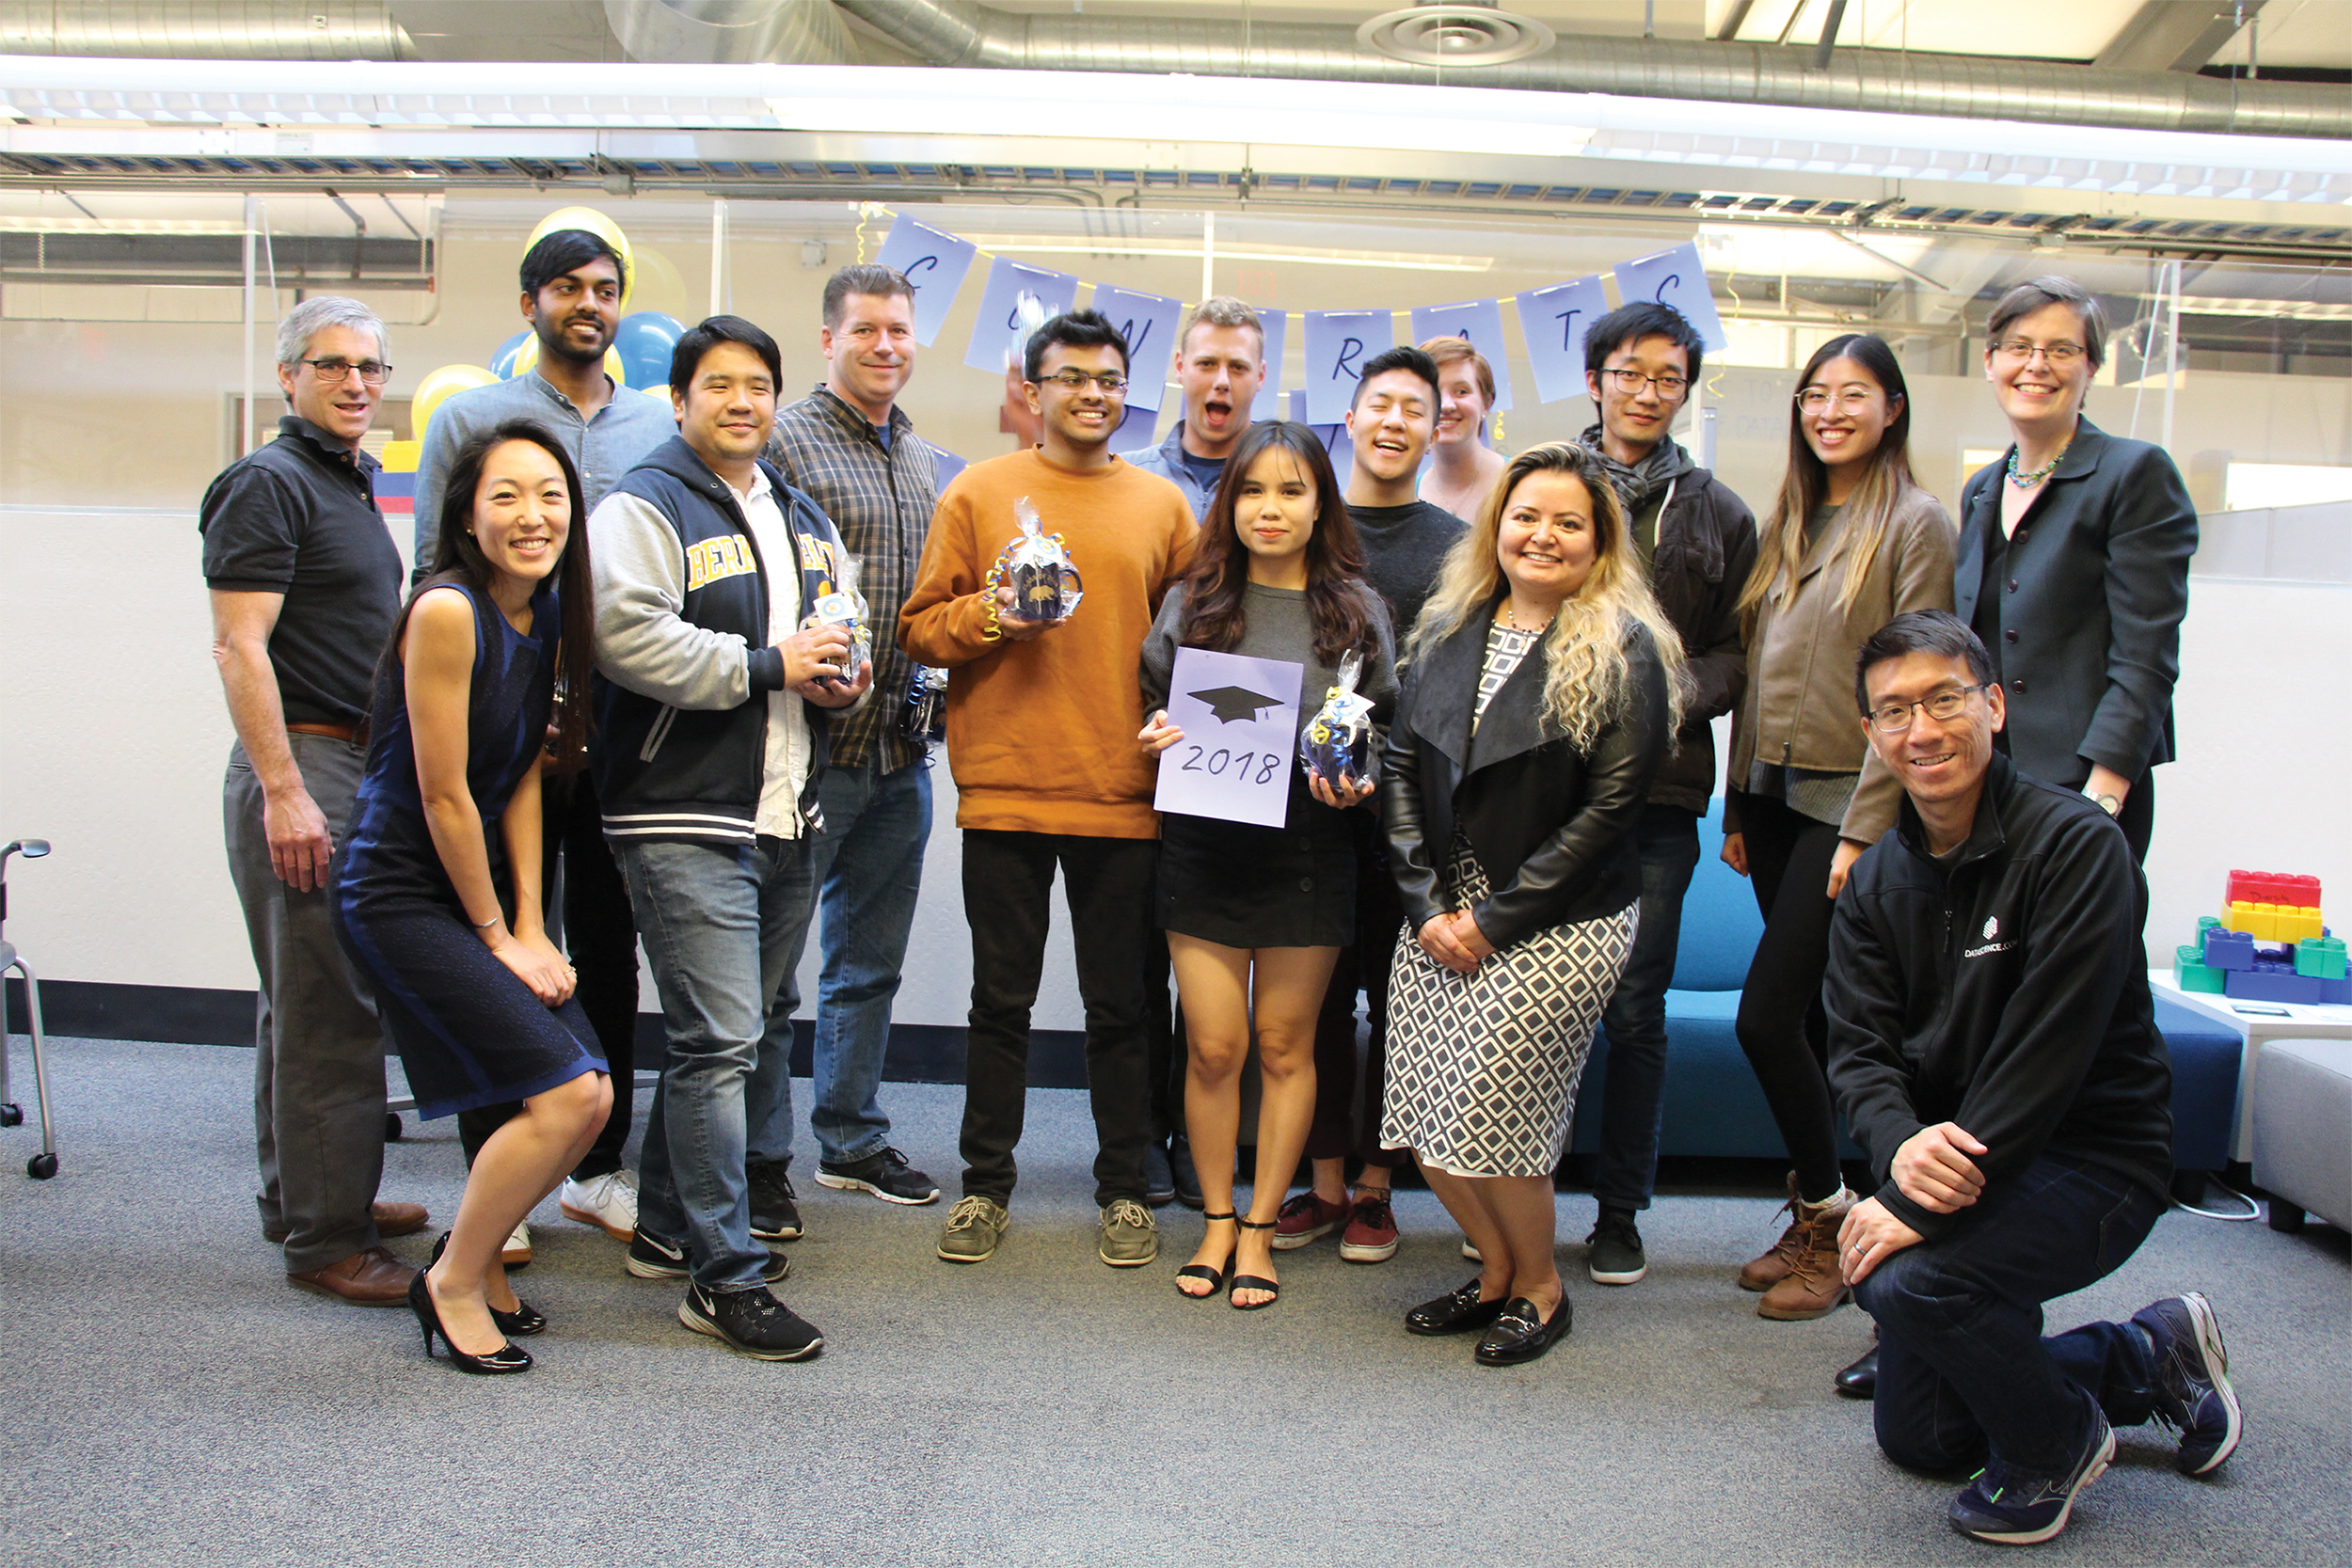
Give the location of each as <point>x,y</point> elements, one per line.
<point>1042,721</point>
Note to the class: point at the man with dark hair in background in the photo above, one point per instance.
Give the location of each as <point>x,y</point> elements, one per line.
<point>852,450</point>
<point>1698,542</point>
<point>713,684</point>
<point>572,283</point>
<point>1391,423</point>
<point>1220,364</point>
<point>1042,724</point>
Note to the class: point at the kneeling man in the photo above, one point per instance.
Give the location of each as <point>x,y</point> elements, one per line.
<point>1995,1049</point>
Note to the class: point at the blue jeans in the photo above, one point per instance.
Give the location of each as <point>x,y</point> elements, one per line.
<point>720,927</point>
<point>869,869</point>
<point>1962,1365</point>
<point>1634,1097</point>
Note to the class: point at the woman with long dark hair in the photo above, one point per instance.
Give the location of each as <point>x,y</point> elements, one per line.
<point>1852,543</point>
<point>1256,916</point>
<point>437,884</point>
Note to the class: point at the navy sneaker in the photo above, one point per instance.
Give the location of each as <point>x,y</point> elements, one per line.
<point>2011,1507</point>
<point>651,1258</point>
<point>2193,1392</point>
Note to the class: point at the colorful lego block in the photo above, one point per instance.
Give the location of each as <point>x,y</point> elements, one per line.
<point>2272,887</point>
<point>2321,957</point>
<point>2336,992</point>
<point>2228,949</point>
<point>2269,981</point>
<point>2297,924</point>
<point>2190,971</point>
<point>2259,920</point>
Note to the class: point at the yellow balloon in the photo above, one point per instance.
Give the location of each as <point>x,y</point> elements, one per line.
<point>436,389</point>
<point>661,395</point>
<point>528,355</point>
<point>598,225</point>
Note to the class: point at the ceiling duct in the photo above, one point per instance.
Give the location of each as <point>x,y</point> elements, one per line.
<point>205,29</point>
<point>1455,32</point>
<point>957,33</point>
<point>732,32</point>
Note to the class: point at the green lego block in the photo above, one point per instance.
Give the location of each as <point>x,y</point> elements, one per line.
<point>2203,921</point>
<point>2322,957</point>
<point>2190,972</point>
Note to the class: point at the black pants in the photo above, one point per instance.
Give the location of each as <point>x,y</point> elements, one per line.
<point>1347,1122</point>
<point>1782,1027</point>
<point>1007,887</point>
<point>600,937</point>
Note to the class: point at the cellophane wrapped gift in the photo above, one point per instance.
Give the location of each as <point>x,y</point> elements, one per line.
<point>846,608</point>
<point>1337,742</point>
<point>1045,586</point>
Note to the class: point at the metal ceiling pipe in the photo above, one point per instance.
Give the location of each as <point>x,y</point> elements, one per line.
<point>205,29</point>
<point>732,32</point>
<point>959,33</point>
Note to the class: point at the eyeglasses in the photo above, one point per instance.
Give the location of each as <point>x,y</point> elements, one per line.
<point>1853,400</point>
<point>1111,382</point>
<point>373,371</point>
<point>2058,355</point>
<point>1942,706</point>
<point>1631,383</point>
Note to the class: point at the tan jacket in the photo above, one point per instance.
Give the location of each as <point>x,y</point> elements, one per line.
<point>1798,710</point>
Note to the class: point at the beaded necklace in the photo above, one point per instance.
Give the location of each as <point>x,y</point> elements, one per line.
<point>2027,481</point>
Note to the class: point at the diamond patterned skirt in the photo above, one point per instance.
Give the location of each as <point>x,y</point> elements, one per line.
<point>1484,1066</point>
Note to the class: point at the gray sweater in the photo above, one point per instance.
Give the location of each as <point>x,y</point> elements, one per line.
<point>1276,626</point>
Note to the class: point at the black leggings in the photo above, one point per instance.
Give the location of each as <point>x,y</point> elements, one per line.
<point>1782,1027</point>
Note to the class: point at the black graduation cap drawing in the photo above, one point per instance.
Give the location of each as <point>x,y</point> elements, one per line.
<point>1231,703</point>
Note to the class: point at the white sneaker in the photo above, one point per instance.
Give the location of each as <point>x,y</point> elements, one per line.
<point>1471,1252</point>
<point>609,1202</point>
<point>516,1252</point>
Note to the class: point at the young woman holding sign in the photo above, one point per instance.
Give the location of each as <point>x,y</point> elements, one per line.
<point>1256,916</point>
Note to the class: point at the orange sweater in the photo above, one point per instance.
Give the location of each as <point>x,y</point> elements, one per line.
<point>1041,735</point>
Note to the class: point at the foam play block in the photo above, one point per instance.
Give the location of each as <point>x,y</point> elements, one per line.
<point>2228,949</point>
<point>2271,982</point>
<point>2321,957</point>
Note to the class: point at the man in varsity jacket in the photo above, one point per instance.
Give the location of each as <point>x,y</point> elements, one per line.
<point>714,681</point>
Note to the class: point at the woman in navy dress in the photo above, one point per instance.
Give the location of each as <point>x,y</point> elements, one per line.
<point>437,887</point>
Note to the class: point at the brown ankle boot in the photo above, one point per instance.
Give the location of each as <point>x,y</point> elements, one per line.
<point>1813,1287</point>
<point>1762,1274</point>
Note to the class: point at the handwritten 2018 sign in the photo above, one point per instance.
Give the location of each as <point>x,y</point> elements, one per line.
<point>1240,719</point>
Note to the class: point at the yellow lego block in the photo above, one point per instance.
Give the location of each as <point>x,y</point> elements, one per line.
<point>2297,925</point>
<point>2259,920</point>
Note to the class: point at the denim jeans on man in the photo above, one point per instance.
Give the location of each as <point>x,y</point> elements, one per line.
<point>1962,1365</point>
<point>720,928</point>
<point>868,867</point>
<point>1634,1097</point>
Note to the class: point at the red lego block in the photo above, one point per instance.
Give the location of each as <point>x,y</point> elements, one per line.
<point>2272,887</point>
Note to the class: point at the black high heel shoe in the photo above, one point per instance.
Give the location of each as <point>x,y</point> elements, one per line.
<point>1202,1270</point>
<point>523,1322</point>
<point>1273,1288</point>
<point>506,1359</point>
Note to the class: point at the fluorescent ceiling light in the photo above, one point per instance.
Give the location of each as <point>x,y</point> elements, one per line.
<point>1401,261</point>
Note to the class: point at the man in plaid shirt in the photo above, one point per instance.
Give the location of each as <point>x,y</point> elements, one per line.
<point>854,451</point>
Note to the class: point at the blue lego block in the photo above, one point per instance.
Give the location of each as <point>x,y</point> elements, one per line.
<point>2271,981</point>
<point>2228,949</point>
<point>2336,992</point>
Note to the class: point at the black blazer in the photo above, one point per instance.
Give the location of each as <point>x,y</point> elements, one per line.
<point>2091,607</point>
<point>1553,827</point>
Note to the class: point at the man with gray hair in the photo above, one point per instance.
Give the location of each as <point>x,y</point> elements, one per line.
<point>305,584</point>
<point>1220,364</point>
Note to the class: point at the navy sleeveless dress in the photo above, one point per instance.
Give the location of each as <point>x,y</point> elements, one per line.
<point>469,1031</point>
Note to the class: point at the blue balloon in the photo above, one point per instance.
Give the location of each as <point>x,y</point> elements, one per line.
<point>644,342</point>
<point>502,362</point>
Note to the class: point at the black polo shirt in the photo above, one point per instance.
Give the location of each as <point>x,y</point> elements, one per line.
<point>299,518</point>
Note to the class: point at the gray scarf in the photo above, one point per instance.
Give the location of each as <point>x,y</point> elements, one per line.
<point>1635,485</point>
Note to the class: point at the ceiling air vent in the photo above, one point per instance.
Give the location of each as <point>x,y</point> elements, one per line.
<point>1454,32</point>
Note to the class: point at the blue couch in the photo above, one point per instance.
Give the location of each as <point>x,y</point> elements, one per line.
<point>1713,1106</point>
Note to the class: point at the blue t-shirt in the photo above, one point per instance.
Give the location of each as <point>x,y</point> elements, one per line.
<point>1206,471</point>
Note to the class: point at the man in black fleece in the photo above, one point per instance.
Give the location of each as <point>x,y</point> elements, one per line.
<point>1995,1049</point>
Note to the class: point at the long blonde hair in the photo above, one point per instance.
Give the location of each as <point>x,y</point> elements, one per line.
<point>1871,506</point>
<point>1586,683</point>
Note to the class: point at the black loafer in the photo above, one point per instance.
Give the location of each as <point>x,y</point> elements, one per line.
<point>1454,1313</point>
<point>1520,1335</point>
<point>1860,1381</point>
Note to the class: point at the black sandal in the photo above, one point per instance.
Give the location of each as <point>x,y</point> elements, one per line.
<point>1273,1288</point>
<point>1202,1270</point>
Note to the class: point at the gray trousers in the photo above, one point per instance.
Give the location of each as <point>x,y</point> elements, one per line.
<point>318,1073</point>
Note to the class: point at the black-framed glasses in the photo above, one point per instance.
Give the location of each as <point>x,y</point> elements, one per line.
<point>1631,382</point>
<point>373,371</point>
<point>1942,706</point>
<point>1111,382</point>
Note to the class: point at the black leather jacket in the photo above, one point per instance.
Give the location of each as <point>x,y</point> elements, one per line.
<point>1551,825</point>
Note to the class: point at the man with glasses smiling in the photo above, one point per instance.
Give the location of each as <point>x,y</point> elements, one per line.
<point>1994,1047</point>
<point>305,583</point>
<point>1041,720</point>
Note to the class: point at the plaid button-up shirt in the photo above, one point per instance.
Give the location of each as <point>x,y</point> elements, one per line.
<point>880,499</point>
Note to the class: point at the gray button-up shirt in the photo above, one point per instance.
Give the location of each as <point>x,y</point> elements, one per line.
<point>603,447</point>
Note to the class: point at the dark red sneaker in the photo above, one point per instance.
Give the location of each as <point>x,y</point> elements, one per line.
<point>1371,1233</point>
<point>1306,1217</point>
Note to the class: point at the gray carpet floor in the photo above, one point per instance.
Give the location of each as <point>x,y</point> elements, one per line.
<point>169,1400</point>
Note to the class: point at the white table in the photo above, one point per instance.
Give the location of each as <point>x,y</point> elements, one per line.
<point>2256,1022</point>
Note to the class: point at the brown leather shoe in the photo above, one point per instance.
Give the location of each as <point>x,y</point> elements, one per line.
<point>1762,1274</point>
<point>1813,1288</point>
<point>398,1219</point>
<point>368,1277</point>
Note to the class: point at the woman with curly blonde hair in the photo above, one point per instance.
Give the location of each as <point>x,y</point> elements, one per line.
<point>1543,690</point>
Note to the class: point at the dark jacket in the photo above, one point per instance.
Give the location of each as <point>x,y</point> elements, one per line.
<point>2091,605</point>
<point>2007,995</point>
<point>1706,549</point>
<point>683,656</point>
<point>1551,825</point>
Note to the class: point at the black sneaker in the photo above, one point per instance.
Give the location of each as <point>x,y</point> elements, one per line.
<point>650,1258</point>
<point>776,1207</point>
<point>885,1173</point>
<point>2193,1392</point>
<point>1159,1177</point>
<point>753,1321</point>
<point>1617,1257</point>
